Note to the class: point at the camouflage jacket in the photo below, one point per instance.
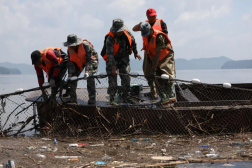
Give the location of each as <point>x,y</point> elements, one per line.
<point>123,52</point>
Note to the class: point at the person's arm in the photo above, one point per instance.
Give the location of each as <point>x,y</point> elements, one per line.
<point>88,50</point>
<point>134,47</point>
<point>136,27</point>
<point>110,54</point>
<point>40,75</point>
<point>164,27</point>
<point>70,68</point>
<point>92,58</point>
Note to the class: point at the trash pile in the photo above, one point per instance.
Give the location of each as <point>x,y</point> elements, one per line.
<point>127,151</point>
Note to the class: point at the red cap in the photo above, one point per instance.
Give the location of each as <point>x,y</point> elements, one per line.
<point>151,12</point>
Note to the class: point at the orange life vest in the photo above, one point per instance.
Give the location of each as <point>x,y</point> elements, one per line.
<point>156,26</point>
<point>116,45</point>
<point>79,58</point>
<point>48,63</point>
<point>151,46</point>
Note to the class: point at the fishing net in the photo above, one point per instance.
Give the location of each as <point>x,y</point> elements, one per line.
<point>199,108</point>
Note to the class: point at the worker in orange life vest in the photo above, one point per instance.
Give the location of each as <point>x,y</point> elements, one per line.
<point>118,46</point>
<point>53,61</point>
<point>158,48</point>
<point>82,55</point>
<point>157,24</point>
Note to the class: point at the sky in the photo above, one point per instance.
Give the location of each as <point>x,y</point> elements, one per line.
<point>197,28</point>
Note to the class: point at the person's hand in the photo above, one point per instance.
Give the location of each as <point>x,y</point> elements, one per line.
<point>52,83</point>
<point>137,56</point>
<point>44,95</point>
<point>114,71</point>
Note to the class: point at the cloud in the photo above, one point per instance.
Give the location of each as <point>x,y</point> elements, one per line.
<point>206,27</point>
<point>198,10</point>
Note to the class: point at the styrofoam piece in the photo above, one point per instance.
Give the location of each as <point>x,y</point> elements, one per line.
<point>20,90</point>
<point>196,81</point>
<point>227,85</point>
<point>165,76</point>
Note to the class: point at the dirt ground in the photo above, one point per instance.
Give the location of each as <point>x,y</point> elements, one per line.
<point>125,151</point>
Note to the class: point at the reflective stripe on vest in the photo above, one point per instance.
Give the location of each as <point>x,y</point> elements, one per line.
<point>48,63</point>
<point>151,46</point>
<point>116,45</point>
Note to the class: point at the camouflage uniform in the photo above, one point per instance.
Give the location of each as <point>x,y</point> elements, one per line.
<point>91,67</point>
<point>121,61</point>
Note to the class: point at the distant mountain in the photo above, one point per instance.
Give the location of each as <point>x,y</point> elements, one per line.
<point>23,68</point>
<point>241,64</point>
<point>221,62</point>
<point>8,71</point>
<point>201,63</point>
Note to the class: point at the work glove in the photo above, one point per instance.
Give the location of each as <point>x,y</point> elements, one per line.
<point>52,83</point>
<point>86,75</point>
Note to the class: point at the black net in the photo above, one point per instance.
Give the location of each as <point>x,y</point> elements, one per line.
<point>198,109</point>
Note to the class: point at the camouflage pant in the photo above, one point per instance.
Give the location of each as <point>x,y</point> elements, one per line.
<point>124,70</point>
<point>147,64</point>
<point>73,86</point>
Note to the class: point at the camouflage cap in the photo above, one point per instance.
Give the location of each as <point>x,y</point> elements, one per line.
<point>145,28</point>
<point>72,40</point>
<point>117,26</point>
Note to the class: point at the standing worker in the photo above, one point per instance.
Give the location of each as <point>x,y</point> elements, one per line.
<point>54,62</point>
<point>159,49</point>
<point>119,44</point>
<point>157,24</point>
<point>82,55</point>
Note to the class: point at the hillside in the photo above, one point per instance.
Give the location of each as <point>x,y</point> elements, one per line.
<point>9,71</point>
<point>23,68</point>
<point>201,63</point>
<point>241,64</point>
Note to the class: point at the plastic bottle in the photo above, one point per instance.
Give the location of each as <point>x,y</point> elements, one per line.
<point>55,141</point>
<point>12,163</point>
<point>141,139</point>
<point>73,145</point>
<point>7,165</point>
<point>204,149</point>
<point>205,146</point>
<point>73,159</point>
